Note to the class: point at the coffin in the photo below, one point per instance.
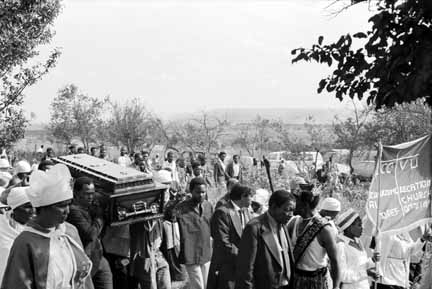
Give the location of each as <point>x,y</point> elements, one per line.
<point>130,196</point>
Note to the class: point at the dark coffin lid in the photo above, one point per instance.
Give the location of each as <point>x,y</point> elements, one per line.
<point>109,171</point>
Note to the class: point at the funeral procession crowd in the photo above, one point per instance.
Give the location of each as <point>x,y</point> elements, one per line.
<point>54,232</point>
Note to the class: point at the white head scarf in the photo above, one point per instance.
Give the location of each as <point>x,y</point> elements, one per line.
<point>51,187</point>
<point>163,176</point>
<point>23,167</point>
<point>330,204</point>
<point>17,197</point>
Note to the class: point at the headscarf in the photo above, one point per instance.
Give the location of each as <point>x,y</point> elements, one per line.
<point>345,219</point>
<point>17,197</point>
<point>51,187</point>
<point>330,204</point>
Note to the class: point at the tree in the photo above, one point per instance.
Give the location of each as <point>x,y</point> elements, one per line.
<point>130,124</point>
<point>24,26</point>
<point>350,133</point>
<point>254,136</point>
<point>393,64</point>
<point>76,115</point>
<point>12,126</point>
<point>318,134</point>
<point>287,139</point>
<point>402,123</point>
<point>201,133</point>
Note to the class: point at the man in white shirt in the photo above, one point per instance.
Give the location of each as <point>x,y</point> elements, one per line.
<point>171,165</point>
<point>124,159</point>
<point>234,169</point>
<point>396,253</point>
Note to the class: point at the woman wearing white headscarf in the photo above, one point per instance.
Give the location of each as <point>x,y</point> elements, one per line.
<point>12,222</point>
<point>355,264</point>
<point>48,254</point>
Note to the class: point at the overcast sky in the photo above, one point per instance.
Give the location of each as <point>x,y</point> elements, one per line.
<point>185,55</point>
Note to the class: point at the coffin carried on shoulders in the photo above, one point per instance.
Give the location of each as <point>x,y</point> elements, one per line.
<point>131,196</point>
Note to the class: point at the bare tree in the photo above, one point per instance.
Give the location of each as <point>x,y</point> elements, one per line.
<point>130,124</point>
<point>202,133</point>
<point>350,133</point>
<point>254,137</point>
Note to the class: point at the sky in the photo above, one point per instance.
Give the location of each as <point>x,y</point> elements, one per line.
<point>190,55</point>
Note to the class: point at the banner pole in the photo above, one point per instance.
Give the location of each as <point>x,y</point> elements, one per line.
<point>377,241</point>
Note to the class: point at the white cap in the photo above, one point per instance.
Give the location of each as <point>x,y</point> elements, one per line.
<point>330,204</point>
<point>4,163</point>
<point>51,187</point>
<point>23,167</point>
<point>17,197</point>
<point>163,176</point>
<point>39,150</point>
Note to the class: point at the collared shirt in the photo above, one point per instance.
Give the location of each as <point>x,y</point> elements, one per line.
<point>222,164</point>
<point>236,169</point>
<point>275,227</point>
<point>173,167</point>
<point>239,212</point>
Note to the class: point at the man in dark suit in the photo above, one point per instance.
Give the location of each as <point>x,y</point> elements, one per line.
<point>234,169</point>
<point>265,258</point>
<point>227,226</point>
<point>87,217</point>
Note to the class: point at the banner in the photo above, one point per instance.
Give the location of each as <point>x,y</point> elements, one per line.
<point>400,192</point>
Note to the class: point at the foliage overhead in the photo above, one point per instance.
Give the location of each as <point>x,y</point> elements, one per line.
<point>393,63</point>
<point>24,26</point>
<point>12,126</point>
<point>76,115</point>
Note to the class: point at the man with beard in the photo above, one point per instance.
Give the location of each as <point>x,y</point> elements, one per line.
<point>194,225</point>
<point>48,254</point>
<point>87,217</point>
<point>265,260</point>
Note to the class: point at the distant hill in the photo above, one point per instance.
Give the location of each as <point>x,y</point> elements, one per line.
<point>287,115</point>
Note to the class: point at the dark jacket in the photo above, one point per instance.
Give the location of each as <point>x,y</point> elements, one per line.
<point>89,228</point>
<point>226,232</point>
<point>258,262</point>
<point>219,173</point>
<point>195,245</point>
<point>230,171</point>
